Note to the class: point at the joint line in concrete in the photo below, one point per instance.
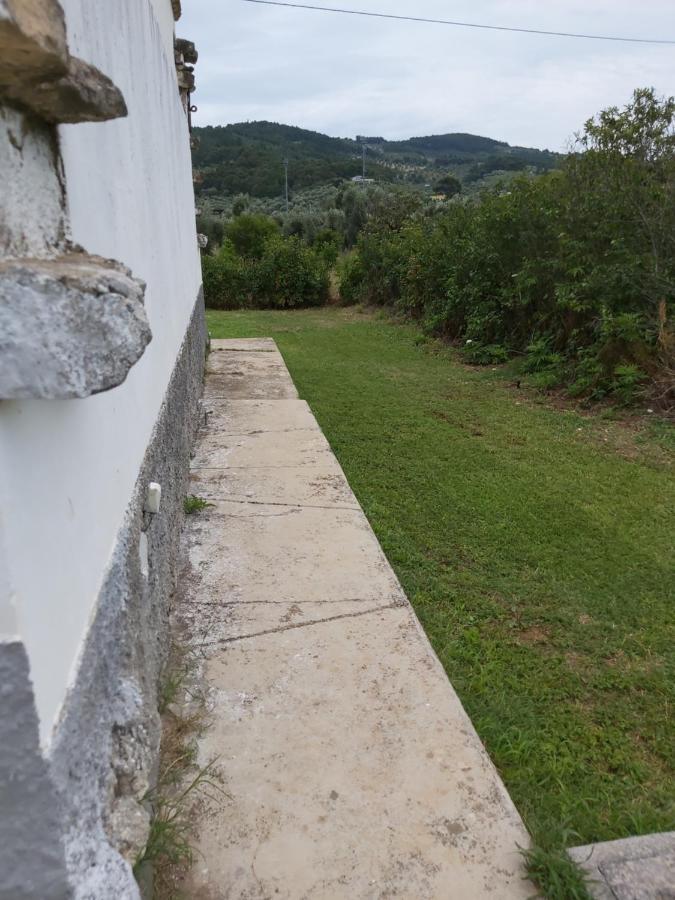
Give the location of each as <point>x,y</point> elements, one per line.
<point>292,625</point>
<point>288,505</point>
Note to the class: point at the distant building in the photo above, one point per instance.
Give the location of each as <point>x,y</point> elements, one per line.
<point>361,180</point>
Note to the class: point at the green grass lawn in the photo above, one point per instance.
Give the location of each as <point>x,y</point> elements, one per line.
<point>536,545</point>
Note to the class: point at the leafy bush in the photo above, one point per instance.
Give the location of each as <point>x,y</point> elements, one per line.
<point>350,277</point>
<point>448,185</point>
<point>627,381</point>
<point>227,279</point>
<point>327,244</point>
<point>212,227</point>
<point>249,232</point>
<point>482,355</point>
<point>575,269</point>
<point>286,274</point>
<point>289,274</point>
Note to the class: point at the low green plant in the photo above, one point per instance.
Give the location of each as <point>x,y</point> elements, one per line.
<point>484,355</point>
<point>556,874</point>
<point>171,684</point>
<point>540,358</point>
<point>181,784</point>
<point>627,381</point>
<point>193,504</point>
<point>169,843</point>
<point>545,381</point>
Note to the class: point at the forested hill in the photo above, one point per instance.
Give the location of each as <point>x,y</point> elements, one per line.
<point>248,158</point>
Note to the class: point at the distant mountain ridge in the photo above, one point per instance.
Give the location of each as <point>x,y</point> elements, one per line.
<point>247,157</point>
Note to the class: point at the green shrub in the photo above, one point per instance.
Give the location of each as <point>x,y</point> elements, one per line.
<point>627,382</point>
<point>249,232</point>
<point>484,355</point>
<point>540,358</point>
<point>227,279</point>
<point>547,380</point>
<point>575,269</point>
<point>588,377</point>
<point>287,274</point>
<point>350,277</point>
<point>327,244</point>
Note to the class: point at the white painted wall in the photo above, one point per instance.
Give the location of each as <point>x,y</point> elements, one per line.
<point>68,468</point>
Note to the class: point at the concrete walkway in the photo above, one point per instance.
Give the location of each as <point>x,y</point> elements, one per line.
<point>349,766</point>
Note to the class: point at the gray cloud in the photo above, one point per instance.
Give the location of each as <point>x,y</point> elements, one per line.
<point>345,75</point>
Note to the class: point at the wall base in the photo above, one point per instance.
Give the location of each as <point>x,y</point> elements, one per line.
<point>103,757</point>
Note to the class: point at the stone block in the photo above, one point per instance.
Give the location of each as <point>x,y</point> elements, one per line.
<point>36,70</point>
<point>186,79</point>
<point>636,868</point>
<point>82,94</point>
<point>187,50</point>
<point>69,327</point>
<point>32,42</point>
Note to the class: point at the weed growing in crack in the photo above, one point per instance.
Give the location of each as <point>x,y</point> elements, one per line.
<point>169,846</point>
<point>193,504</point>
<point>182,786</point>
<point>554,872</point>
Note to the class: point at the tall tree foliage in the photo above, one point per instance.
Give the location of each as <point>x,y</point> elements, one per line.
<point>576,268</point>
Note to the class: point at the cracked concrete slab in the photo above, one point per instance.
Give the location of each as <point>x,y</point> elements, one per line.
<point>257,552</point>
<point>219,450</point>
<point>247,370</point>
<point>321,484</point>
<point>244,345</point>
<point>371,782</point>
<point>224,622</point>
<point>233,385</point>
<point>252,416</point>
<point>227,361</point>
<point>348,765</point>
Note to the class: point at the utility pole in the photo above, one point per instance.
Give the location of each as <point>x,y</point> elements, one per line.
<point>286,182</point>
<point>363,149</point>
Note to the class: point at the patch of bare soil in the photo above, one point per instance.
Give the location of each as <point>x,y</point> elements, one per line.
<point>535,634</point>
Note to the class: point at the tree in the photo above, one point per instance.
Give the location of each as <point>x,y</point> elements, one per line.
<point>622,181</point>
<point>240,204</point>
<point>249,233</point>
<point>448,185</point>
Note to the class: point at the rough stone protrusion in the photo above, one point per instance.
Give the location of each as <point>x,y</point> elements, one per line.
<point>37,72</point>
<point>32,42</point>
<point>186,80</point>
<point>187,50</point>
<point>82,94</point>
<point>175,6</point>
<point>69,327</point>
<point>129,825</point>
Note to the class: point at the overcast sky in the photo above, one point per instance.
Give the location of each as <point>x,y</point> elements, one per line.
<point>347,75</point>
